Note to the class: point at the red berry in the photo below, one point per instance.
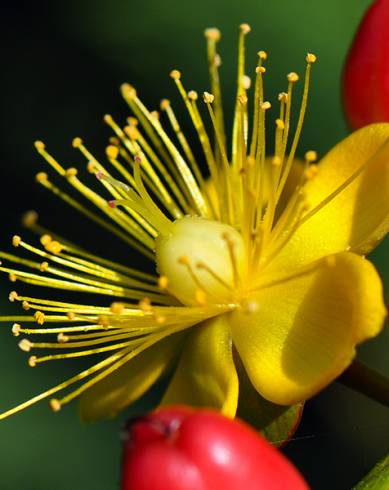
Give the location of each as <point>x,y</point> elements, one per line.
<point>366,72</point>
<point>180,448</point>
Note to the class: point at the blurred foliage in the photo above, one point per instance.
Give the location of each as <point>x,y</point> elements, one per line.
<point>62,65</point>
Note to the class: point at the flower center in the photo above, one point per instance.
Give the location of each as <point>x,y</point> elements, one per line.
<point>201,261</point>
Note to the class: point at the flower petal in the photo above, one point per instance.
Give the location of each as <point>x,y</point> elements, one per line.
<point>358,217</point>
<point>128,383</point>
<point>206,375</point>
<point>305,328</point>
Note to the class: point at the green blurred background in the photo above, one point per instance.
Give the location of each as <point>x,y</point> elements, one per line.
<point>62,64</point>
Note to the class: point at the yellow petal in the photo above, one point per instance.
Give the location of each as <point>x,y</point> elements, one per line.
<point>128,383</point>
<point>358,217</point>
<point>206,375</point>
<point>304,330</point>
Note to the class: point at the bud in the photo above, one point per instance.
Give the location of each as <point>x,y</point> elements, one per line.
<point>366,72</point>
<point>180,448</point>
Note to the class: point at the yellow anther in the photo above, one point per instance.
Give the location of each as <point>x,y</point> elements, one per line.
<point>280,124</point>
<point>39,145</point>
<point>71,172</point>
<point>212,33</point>
<point>163,282</point>
<point>62,338</point>
<point>54,247</point>
<point>311,156</point>
<point>12,277</point>
<point>200,297</point>
<point>117,308</point>
<point>25,345</point>
<point>107,118</point>
<point>311,58</point>
<point>77,142</point>
<point>13,295</point>
<point>246,82</point>
<point>262,54</point>
<point>155,115</point>
<point>193,95</point>
<point>44,266</point>
<point>145,304</point>
<point>265,105</point>
<point>127,90</point>
<point>292,77</point>
<point>39,317</point>
<point>70,315</point>
<point>16,329</point>
<point>91,167</point>
<point>45,240</point>
<point>114,141</point>
<point>112,152</point>
<point>283,97</point>
<point>208,98</point>
<point>32,361</point>
<point>29,219</point>
<point>164,104</point>
<point>175,74</point>
<point>184,260</point>
<point>26,305</point>
<point>55,405</point>
<point>245,28</point>
<point>160,319</point>
<point>260,69</point>
<point>132,121</point>
<point>103,321</point>
<point>311,172</point>
<point>132,132</point>
<point>41,177</point>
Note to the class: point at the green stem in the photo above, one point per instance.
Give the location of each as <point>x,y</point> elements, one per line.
<point>366,381</point>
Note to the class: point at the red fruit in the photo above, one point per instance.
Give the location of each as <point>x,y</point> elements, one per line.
<point>366,72</point>
<point>180,448</point>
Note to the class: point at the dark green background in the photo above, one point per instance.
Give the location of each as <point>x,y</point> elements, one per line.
<point>62,64</point>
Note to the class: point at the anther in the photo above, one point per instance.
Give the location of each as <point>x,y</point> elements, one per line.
<point>32,361</point>
<point>260,69</point>
<point>26,305</point>
<point>55,405</point>
<point>13,295</point>
<point>280,124</point>
<point>200,297</point>
<point>163,282</point>
<point>108,118</point>
<point>145,304</point>
<point>112,152</point>
<point>71,172</point>
<point>262,54</point>
<point>77,142</point>
<point>103,321</point>
<point>39,317</point>
<point>128,90</point>
<point>192,94</point>
<point>116,308</point>
<point>39,145</point>
<point>41,177</point>
<point>71,316</point>
<point>246,82</point>
<point>244,28</point>
<point>310,58</point>
<point>175,74</point>
<point>311,172</point>
<point>16,329</point>
<point>62,338</point>
<point>265,105</point>
<point>29,219</point>
<point>155,115</point>
<point>213,34</point>
<point>44,266</point>
<point>164,104</point>
<point>12,277</point>
<point>184,260</point>
<point>311,156</point>
<point>283,97</point>
<point>25,345</point>
<point>45,240</point>
<point>292,77</point>
<point>208,98</point>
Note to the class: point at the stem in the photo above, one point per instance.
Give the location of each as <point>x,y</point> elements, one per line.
<point>366,381</point>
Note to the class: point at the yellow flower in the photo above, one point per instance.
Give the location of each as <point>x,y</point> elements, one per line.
<point>261,265</point>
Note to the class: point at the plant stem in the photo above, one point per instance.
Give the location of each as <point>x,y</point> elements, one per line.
<point>366,381</point>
